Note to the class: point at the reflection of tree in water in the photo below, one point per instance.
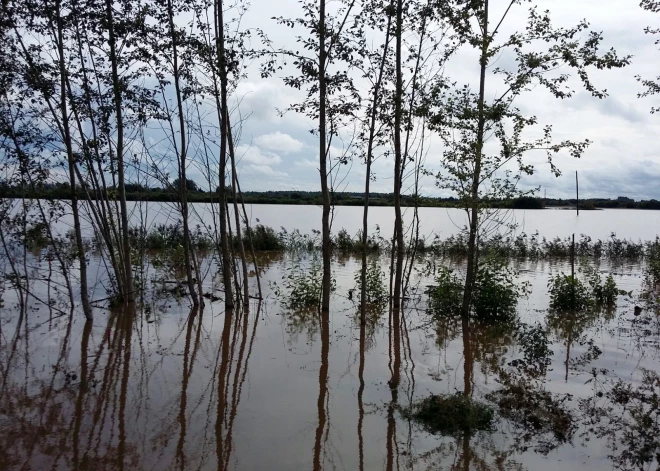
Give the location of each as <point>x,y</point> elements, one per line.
<point>302,321</point>
<point>571,328</point>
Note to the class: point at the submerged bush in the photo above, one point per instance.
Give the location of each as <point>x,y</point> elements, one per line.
<point>451,414</point>
<point>568,293</point>
<point>653,262</point>
<point>446,297</point>
<point>376,290</point>
<point>262,238</point>
<point>495,294</point>
<point>302,287</point>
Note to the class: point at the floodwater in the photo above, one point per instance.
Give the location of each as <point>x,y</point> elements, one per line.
<point>273,389</point>
<point>441,222</point>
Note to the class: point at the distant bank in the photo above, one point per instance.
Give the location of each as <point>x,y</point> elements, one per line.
<point>139,193</point>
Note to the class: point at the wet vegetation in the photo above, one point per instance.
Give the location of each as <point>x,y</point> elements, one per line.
<point>190,338</point>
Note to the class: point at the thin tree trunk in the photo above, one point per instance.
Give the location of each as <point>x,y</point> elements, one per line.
<point>367,179</point>
<point>222,66</point>
<point>239,236</point>
<point>129,295</point>
<point>84,292</point>
<point>183,189</point>
<point>400,249</point>
<point>325,221</point>
<point>472,262</point>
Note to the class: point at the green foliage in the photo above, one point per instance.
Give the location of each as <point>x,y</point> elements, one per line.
<point>571,294</point>
<point>653,262</point>
<point>568,293</point>
<point>446,297</point>
<point>453,414</point>
<point>262,238</point>
<point>496,293</point>
<point>376,290</point>
<point>302,287</point>
<point>535,347</point>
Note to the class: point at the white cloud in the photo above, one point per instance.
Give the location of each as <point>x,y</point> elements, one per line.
<point>254,155</point>
<point>280,142</point>
<point>265,170</point>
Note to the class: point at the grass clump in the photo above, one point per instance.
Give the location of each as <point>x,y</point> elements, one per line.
<point>452,414</point>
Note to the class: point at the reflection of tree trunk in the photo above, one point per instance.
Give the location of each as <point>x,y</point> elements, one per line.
<point>87,330</point>
<point>467,453</point>
<point>222,400</point>
<point>360,394</point>
<point>569,341</point>
<point>323,387</point>
<point>468,359</point>
<point>125,324</point>
<point>187,364</point>
<point>394,385</point>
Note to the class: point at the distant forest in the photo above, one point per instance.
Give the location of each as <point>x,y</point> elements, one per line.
<point>136,192</point>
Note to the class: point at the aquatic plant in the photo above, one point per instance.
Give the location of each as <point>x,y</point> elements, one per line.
<point>301,286</point>
<point>570,293</point>
<point>376,290</point>
<point>495,294</point>
<point>451,414</point>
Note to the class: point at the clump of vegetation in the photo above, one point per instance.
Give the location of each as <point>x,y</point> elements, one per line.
<point>533,246</point>
<point>376,290</point>
<point>168,237</point>
<point>301,287</point>
<point>262,238</point>
<point>495,294</point>
<point>653,263</point>
<point>446,296</point>
<point>452,414</point>
<point>568,293</point>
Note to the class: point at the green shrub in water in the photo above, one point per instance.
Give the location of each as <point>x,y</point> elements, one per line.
<point>571,294</point>
<point>446,297</point>
<point>263,238</point>
<point>653,262</point>
<point>451,414</point>
<point>376,290</point>
<point>568,293</point>
<point>495,294</point>
<point>302,287</point>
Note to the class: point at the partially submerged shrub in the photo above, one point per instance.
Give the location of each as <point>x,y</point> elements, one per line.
<point>452,414</point>
<point>539,415</point>
<point>302,287</point>
<point>495,293</point>
<point>568,293</point>
<point>447,295</point>
<point>534,345</point>
<point>262,238</point>
<point>653,263</point>
<point>376,291</point>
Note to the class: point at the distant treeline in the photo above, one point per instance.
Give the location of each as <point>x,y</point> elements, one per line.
<point>136,192</point>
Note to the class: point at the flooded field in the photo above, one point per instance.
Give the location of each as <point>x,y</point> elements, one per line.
<point>279,388</point>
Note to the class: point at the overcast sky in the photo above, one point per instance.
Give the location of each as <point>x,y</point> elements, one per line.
<point>279,153</point>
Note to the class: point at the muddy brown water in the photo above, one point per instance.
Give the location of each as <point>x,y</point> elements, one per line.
<point>268,389</point>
